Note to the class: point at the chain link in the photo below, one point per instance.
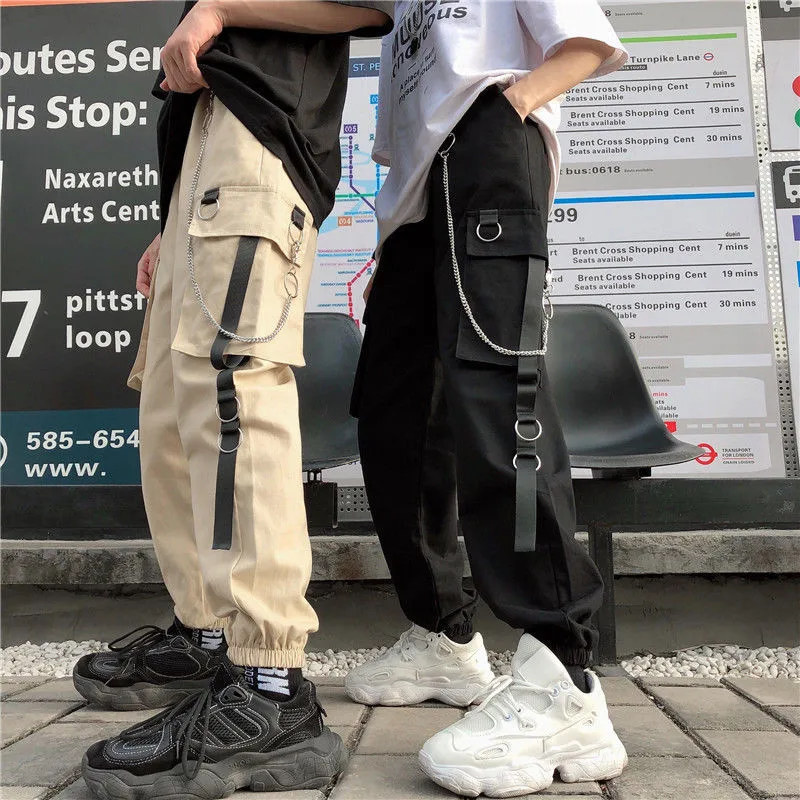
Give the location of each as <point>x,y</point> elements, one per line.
<point>546,302</point>
<point>289,281</point>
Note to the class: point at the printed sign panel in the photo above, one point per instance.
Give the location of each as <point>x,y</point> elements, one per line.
<point>780,31</point>
<point>79,204</point>
<point>657,218</point>
<point>786,189</point>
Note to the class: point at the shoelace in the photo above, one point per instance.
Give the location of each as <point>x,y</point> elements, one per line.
<point>152,635</point>
<point>499,696</point>
<point>132,650</point>
<point>403,645</point>
<point>192,708</point>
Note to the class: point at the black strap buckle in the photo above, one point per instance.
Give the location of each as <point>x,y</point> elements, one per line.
<point>298,217</point>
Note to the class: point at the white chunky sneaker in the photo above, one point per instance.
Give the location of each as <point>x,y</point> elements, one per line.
<point>531,724</point>
<point>423,666</point>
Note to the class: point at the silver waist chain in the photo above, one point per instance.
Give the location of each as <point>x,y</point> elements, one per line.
<point>290,282</point>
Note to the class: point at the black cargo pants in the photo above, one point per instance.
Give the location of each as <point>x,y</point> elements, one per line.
<point>437,406</point>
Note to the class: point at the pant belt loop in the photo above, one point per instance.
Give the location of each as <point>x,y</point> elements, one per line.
<point>228,406</point>
<point>527,427</point>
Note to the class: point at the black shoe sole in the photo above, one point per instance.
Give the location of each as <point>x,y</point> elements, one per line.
<point>312,764</point>
<point>139,697</point>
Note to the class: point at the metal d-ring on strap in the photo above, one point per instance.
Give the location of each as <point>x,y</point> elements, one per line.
<point>232,450</point>
<point>235,413</point>
<point>538,461</point>
<point>535,437</point>
<point>494,238</point>
<point>209,199</point>
<point>535,326</point>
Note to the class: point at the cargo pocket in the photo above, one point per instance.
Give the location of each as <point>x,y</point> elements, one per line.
<point>222,216</point>
<point>494,276</point>
<point>137,370</point>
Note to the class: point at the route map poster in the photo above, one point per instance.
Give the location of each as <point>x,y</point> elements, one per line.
<point>348,237</point>
<point>657,217</point>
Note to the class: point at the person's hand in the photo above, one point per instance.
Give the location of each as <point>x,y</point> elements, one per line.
<point>193,37</point>
<point>517,100</point>
<point>144,269</point>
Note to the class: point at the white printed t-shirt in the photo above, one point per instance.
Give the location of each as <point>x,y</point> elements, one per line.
<point>441,55</point>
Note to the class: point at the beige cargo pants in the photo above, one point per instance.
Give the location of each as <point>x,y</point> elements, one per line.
<point>256,589</point>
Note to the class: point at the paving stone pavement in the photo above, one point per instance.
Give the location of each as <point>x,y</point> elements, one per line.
<point>687,740</point>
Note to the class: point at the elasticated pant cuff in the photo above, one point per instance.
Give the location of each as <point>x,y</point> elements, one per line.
<point>459,631</point>
<point>200,623</point>
<point>571,657</point>
<point>258,657</point>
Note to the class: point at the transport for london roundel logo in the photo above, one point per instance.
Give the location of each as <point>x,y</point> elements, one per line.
<point>710,455</point>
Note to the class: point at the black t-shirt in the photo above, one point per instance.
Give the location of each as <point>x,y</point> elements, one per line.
<point>287,89</point>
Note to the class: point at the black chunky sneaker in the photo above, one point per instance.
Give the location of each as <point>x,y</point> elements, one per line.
<point>155,669</point>
<point>224,738</point>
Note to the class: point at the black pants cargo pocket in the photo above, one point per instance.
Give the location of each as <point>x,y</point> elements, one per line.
<point>494,274</point>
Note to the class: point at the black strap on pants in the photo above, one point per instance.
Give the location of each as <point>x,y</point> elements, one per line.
<point>528,428</point>
<point>230,436</point>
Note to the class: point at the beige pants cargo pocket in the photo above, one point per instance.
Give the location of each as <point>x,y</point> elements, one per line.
<point>278,286</point>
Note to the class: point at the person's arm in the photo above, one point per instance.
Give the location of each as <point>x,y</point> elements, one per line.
<point>575,60</point>
<point>196,33</point>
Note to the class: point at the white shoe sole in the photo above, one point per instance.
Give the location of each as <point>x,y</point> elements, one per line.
<point>603,763</point>
<point>403,693</point>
